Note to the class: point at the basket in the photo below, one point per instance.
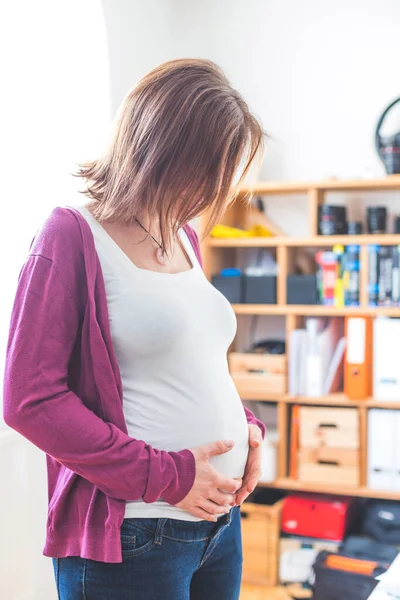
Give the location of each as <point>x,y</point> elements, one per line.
<point>260,538</point>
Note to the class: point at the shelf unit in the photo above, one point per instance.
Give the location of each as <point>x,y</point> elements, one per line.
<point>218,253</point>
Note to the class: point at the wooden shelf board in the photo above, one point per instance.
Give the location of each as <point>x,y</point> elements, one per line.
<point>391,182</point>
<point>385,239</point>
<point>341,400</point>
<point>315,311</point>
<point>363,492</point>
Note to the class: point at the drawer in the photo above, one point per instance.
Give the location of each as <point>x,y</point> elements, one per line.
<point>329,474</point>
<point>329,427</point>
<point>257,375</point>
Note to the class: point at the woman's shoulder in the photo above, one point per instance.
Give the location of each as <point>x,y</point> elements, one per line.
<point>61,236</point>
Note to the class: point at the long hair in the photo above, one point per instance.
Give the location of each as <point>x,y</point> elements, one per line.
<point>183,142</point>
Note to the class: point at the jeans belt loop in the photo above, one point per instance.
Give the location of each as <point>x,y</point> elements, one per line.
<point>159,531</point>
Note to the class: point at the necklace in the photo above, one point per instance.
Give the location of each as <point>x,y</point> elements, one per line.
<point>160,252</point>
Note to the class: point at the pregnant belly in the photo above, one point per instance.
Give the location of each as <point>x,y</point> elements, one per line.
<point>191,426</point>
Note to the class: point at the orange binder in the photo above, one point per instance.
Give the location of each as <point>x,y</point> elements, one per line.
<point>358,360</point>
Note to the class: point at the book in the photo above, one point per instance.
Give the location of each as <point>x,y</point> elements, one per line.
<point>396,276</point>
<point>385,276</point>
<point>373,275</point>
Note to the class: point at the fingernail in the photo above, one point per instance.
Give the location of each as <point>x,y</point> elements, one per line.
<point>229,443</point>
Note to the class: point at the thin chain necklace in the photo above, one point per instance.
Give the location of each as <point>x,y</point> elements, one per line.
<point>160,253</point>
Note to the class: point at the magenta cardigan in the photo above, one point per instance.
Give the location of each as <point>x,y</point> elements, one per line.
<point>62,391</point>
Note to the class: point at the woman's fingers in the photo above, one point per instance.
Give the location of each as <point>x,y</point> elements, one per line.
<point>221,498</point>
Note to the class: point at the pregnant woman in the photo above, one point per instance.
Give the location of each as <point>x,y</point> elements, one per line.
<point>117,355</point>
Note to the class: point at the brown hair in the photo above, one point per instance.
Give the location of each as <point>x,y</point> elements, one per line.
<point>181,136</point>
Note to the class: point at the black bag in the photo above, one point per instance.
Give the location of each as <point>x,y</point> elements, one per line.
<point>365,548</point>
<point>382,521</point>
<point>333,584</point>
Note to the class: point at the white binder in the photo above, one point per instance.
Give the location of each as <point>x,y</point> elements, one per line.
<point>382,426</point>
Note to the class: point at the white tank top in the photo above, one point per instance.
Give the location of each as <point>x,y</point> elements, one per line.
<point>171,334</point>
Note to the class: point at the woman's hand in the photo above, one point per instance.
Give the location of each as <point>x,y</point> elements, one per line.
<point>212,494</point>
<point>252,471</point>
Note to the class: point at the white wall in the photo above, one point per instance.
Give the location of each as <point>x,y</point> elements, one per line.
<point>317,73</point>
<point>139,38</point>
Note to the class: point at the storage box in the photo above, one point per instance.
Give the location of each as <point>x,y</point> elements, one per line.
<point>297,556</point>
<point>230,287</point>
<point>329,446</point>
<point>257,375</point>
<point>329,427</point>
<point>302,289</point>
<point>316,516</point>
<point>260,535</point>
<point>259,289</point>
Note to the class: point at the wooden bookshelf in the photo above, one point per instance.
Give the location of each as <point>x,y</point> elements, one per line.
<point>219,253</point>
<point>285,483</point>
<point>315,310</point>
<point>316,241</point>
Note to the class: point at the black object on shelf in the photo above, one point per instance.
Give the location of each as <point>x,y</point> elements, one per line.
<point>388,147</point>
<point>259,289</point>
<point>230,287</point>
<point>269,347</point>
<point>382,521</point>
<point>354,227</point>
<point>331,220</point>
<point>376,219</point>
<point>397,225</point>
<point>302,289</point>
<point>335,584</point>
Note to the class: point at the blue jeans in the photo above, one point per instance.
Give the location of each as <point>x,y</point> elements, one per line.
<point>163,559</point>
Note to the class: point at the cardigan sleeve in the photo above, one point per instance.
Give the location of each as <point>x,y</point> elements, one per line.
<point>194,240</point>
<point>39,405</point>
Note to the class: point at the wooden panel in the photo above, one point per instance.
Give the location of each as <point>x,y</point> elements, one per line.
<point>343,456</point>
<point>315,198</point>
<point>315,310</point>
<point>285,483</point>
<point>329,474</point>
<point>283,439</point>
<point>363,444</point>
<point>240,362</point>
<point>260,534</point>
<point>329,427</point>
<point>315,241</point>
<point>391,182</point>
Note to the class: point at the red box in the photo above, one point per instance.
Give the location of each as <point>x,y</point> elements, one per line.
<point>322,517</point>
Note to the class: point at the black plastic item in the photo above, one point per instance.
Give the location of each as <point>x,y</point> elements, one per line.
<point>357,546</point>
<point>388,147</point>
<point>302,289</point>
<point>259,289</point>
<point>397,225</point>
<point>269,347</point>
<point>230,287</point>
<point>333,584</point>
<point>331,220</point>
<point>354,228</point>
<point>376,219</point>
<point>382,521</point>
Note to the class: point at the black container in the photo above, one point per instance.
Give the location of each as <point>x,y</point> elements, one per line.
<point>397,225</point>
<point>377,219</point>
<point>302,289</point>
<point>354,228</point>
<point>331,220</point>
<point>334,584</point>
<point>230,287</point>
<point>259,289</point>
